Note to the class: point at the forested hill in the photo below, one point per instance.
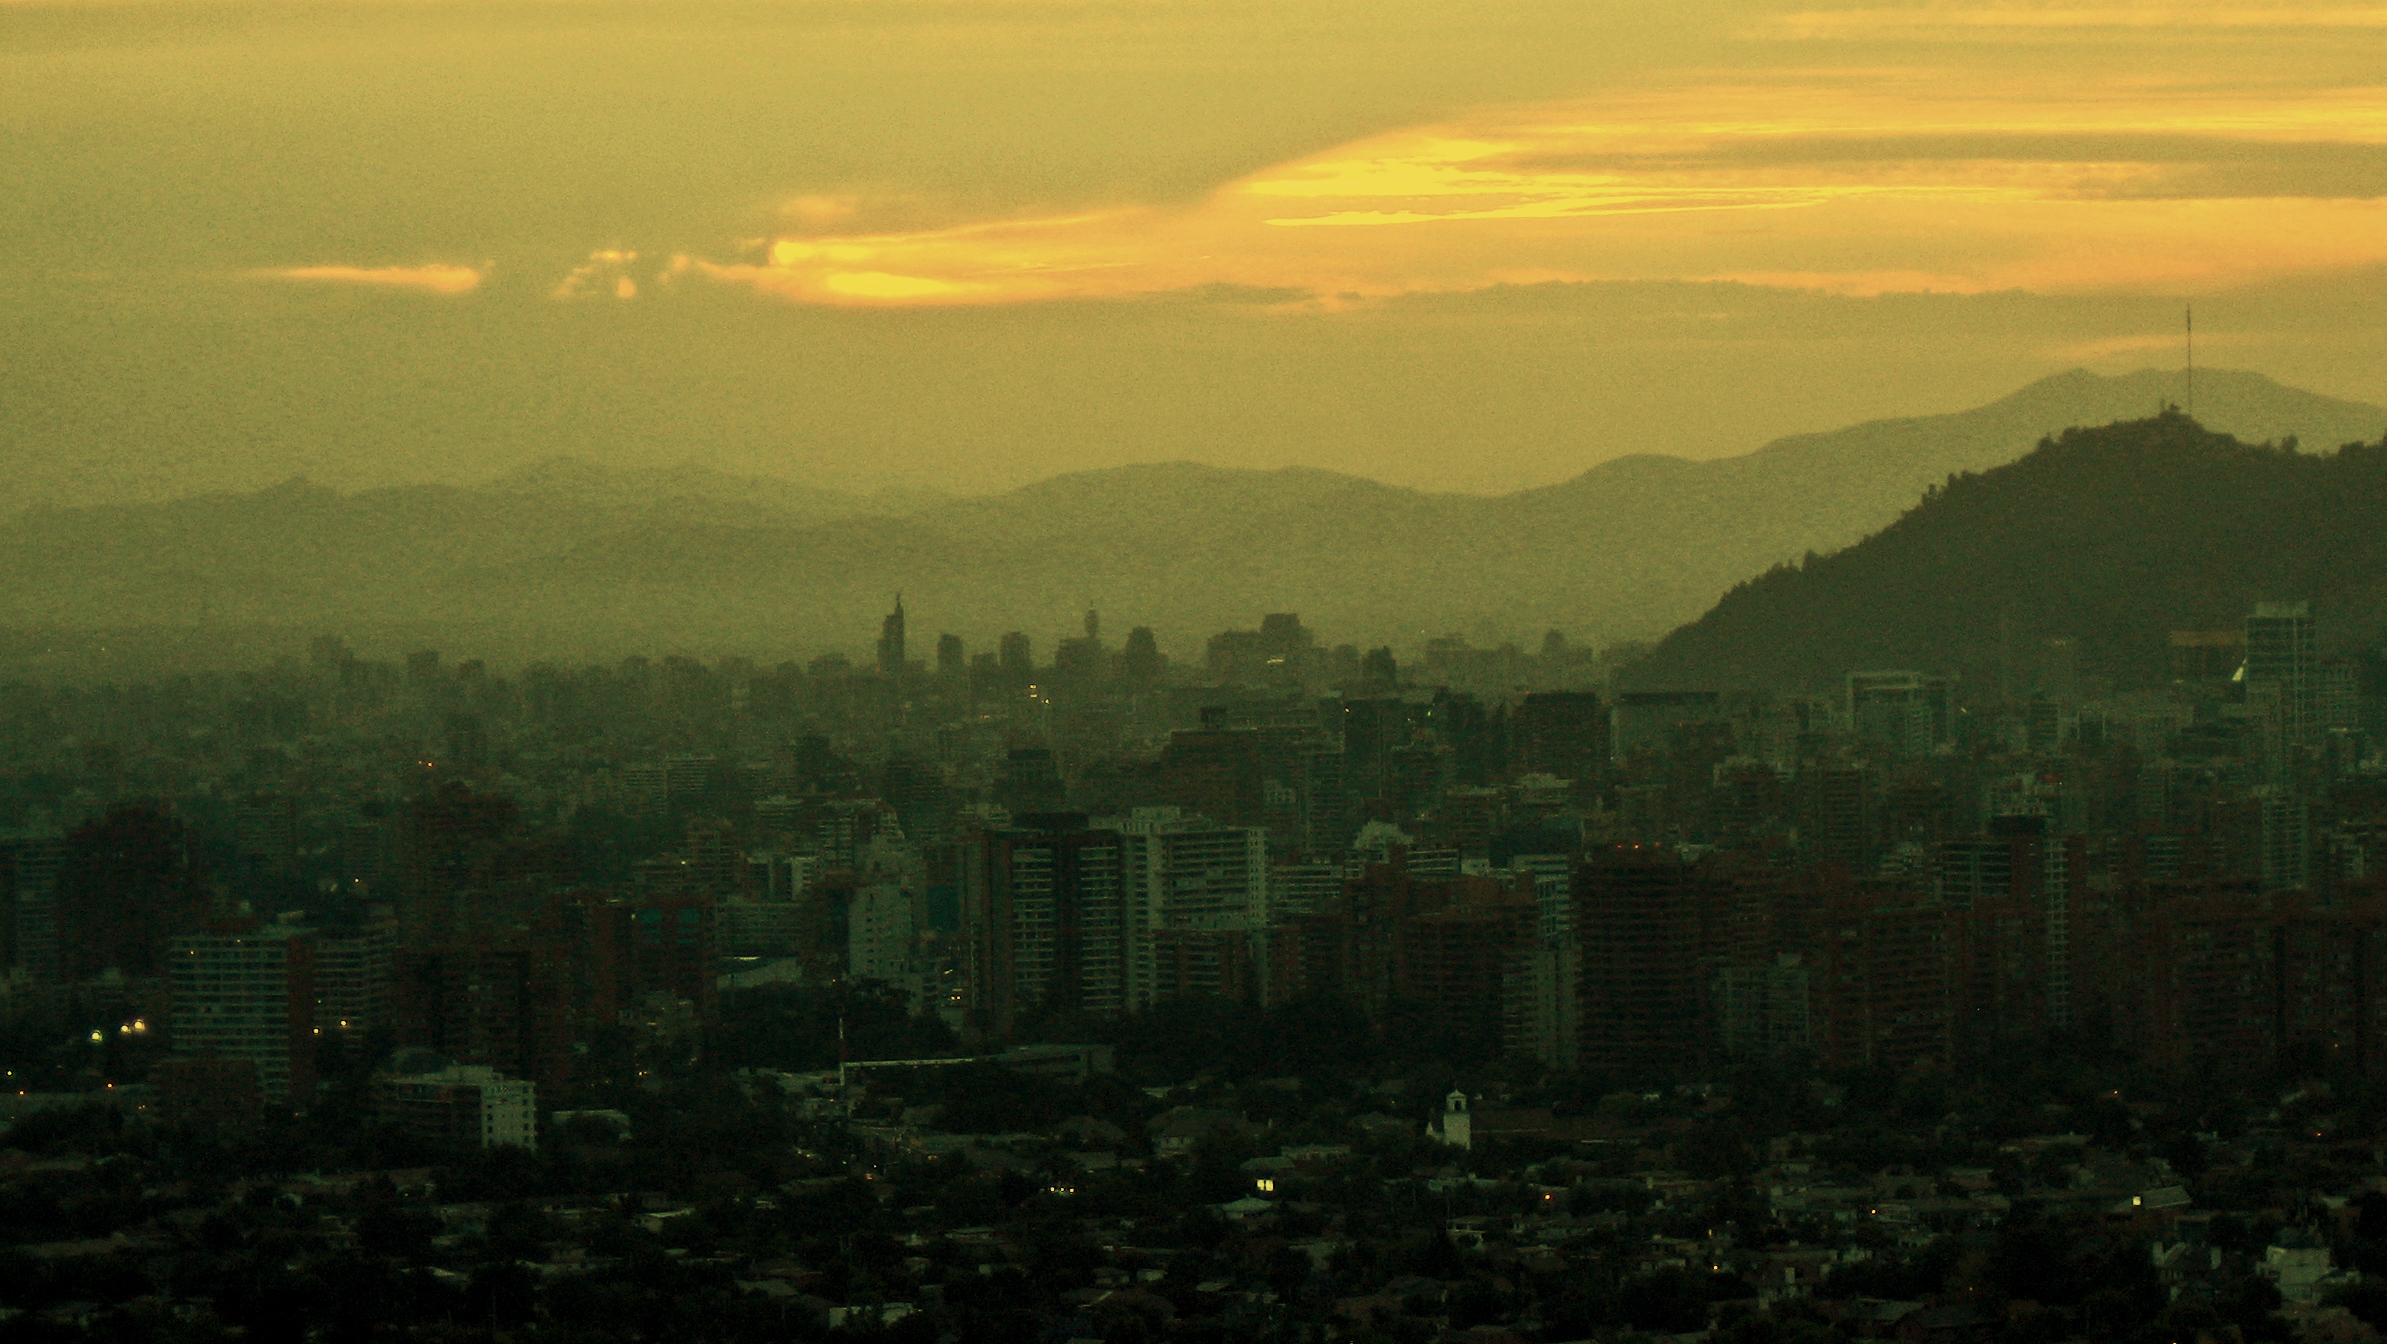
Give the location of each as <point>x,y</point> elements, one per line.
<point>2113,537</point>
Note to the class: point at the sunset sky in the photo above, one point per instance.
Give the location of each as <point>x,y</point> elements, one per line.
<point>967,244</point>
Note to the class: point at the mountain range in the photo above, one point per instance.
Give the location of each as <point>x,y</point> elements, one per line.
<point>569,558</point>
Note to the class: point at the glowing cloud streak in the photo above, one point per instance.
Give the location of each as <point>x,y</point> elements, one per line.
<point>434,279</point>
<point>1899,176</point>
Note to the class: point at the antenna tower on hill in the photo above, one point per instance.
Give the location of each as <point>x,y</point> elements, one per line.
<point>2191,330</point>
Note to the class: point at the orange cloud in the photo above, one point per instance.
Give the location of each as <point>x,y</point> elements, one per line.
<point>436,278</point>
<point>1888,179</point>
<point>1966,22</point>
<point>984,262</point>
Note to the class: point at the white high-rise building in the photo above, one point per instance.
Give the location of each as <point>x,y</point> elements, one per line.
<point>881,926</point>
<point>1181,870</point>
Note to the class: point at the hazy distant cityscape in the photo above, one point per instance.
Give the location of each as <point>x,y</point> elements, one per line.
<point>1302,990</point>
<point>1140,672</point>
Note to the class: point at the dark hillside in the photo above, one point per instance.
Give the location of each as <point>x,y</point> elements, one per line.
<point>2112,536</point>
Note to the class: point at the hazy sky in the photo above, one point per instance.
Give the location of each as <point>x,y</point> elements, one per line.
<point>970,243</point>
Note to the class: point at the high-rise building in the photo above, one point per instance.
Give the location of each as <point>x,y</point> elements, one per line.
<point>1636,910</point>
<point>1140,661</point>
<point>29,868</point>
<point>265,833</point>
<point>2282,650</point>
<point>248,997</point>
<point>507,1002</point>
<point>1644,720</point>
<point>1325,800</point>
<point>2206,655</point>
<point>129,884</point>
<point>1839,805</point>
<point>672,945</point>
<point>882,927</point>
<point>891,647</point>
<point>1044,920</point>
<point>445,838</point>
<point>1879,992</point>
<point>1031,782</point>
<point>1220,773</point>
<point>1553,895</point>
<point>1909,711</point>
<point>1018,660</point>
<point>1371,729</point>
<point>2286,840</point>
<point>1453,962</point>
<point>1761,1012</point>
<point>352,978</point>
<point>1562,733</point>
<point>716,862</point>
<point>1181,871</point>
<point>1176,963</point>
<point>1543,1005</point>
<point>1300,888</point>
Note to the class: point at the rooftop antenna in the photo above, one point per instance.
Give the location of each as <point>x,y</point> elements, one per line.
<point>2191,331</point>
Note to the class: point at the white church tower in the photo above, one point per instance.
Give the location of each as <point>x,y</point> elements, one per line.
<point>1458,1127</point>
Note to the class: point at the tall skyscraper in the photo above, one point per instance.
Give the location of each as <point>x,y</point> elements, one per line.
<point>1018,659</point>
<point>891,650</point>
<point>2282,650</point>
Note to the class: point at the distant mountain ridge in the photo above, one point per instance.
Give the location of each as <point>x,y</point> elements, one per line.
<point>2110,537</point>
<point>690,486</point>
<point>570,556</point>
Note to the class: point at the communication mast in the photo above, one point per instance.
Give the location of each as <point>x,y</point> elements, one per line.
<point>2191,332</point>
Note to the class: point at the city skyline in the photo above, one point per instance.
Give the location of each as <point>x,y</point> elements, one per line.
<point>1187,671</point>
